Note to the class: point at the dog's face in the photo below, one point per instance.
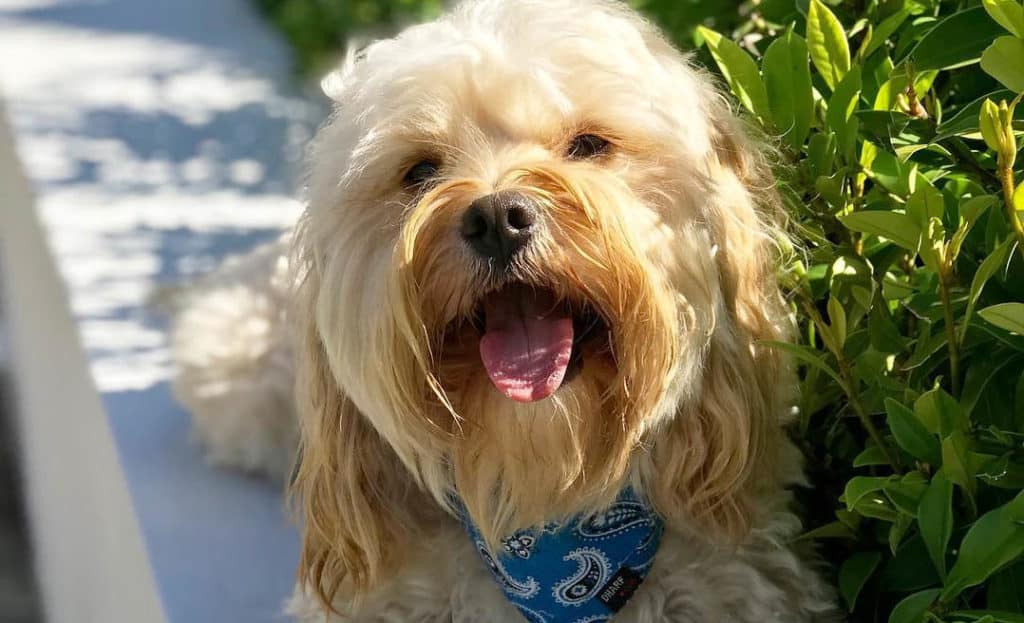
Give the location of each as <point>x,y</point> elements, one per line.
<point>537,268</point>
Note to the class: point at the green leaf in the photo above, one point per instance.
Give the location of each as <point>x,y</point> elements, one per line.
<point>895,289</point>
<point>1004,590</point>
<point>885,336</point>
<point>988,268</point>
<point>1000,617</point>
<point>974,207</point>
<point>893,226</point>
<point>1004,61</point>
<point>994,541</point>
<point>933,241</point>
<point>739,71</point>
<point>898,530</point>
<point>925,349</point>
<point>884,30</point>
<point>840,115</point>
<point>912,435</point>
<point>956,41</point>
<point>876,506</point>
<point>821,153</point>
<point>925,204</point>
<point>955,462</point>
<point>980,375</point>
<point>890,172</point>
<point>804,354</point>
<point>905,492</point>
<point>1018,198</point>
<point>1009,316</point>
<point>787,77</point>
<point>854,574</point>
<point>912,608</point>
<point>882,126</point>
<point>832,530</point>
<point>831,189</point>
<point>1018,402</point>
<point>940,413</point>
<point>826,40</point>
<point>910,569</point>
<point>860,486</point>
<point>970,211</point>
<point>1008,13</point>
<point>837,318</point>
<point>935,519</point>
<point>872,455</point>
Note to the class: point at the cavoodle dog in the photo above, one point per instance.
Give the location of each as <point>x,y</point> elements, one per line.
<point>516,340</point>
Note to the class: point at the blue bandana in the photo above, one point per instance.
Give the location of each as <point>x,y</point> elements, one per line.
<point>583,570</point>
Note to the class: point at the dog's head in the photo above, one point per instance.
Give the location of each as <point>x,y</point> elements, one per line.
<point>538,261</point>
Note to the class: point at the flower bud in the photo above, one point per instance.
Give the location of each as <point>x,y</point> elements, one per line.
<point>1009,152</point>
<point>990,122</point>
<point>996,122</point>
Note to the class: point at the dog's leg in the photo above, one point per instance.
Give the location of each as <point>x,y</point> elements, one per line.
<point>443,581</point>
<point>234,368</point>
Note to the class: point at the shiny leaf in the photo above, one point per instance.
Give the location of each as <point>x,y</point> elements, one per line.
<point>935,519</point>
<point>1009,316</point>
<point>911,434</point>
<point>826,40</point>
<point>1004,61</point>
<point>739,71</point>
<point>956,41</point>
<point>787,78</point>
<point>854,574</point>
<point>994,541</point>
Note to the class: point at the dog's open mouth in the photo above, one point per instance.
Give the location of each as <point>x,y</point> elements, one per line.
<point>531,341</point>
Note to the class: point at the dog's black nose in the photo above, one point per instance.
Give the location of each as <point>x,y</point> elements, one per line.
<point>498,226</point>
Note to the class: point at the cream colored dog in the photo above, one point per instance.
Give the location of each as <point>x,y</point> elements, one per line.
<point>537,261</point>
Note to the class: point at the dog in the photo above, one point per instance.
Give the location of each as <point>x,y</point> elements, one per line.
<point>521,319</point>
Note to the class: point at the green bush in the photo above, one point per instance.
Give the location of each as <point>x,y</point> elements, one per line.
<point>320,29</point>
<point>897,145</point>
<point>898,158</point>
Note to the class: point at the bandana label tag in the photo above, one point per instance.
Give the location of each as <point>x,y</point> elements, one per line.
<point>620,588</point>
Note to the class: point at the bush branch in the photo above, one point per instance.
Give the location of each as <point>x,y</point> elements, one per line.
<point>1006,177</point>
<point>849,383</point>
<point>951,339</point>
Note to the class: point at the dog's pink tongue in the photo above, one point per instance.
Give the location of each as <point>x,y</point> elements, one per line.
<point>527,343</point>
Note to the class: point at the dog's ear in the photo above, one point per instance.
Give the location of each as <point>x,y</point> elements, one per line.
<point>717,459</point>
<point>353,494</point>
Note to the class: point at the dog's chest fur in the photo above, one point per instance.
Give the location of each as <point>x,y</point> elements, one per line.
<point>445,581</point>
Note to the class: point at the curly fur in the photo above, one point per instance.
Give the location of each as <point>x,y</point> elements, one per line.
<point>672,237</point>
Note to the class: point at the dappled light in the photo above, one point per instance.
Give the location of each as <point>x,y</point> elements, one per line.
<point>157,143</point>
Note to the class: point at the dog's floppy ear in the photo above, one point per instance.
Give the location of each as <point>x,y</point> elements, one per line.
<point>716,457</point>
<point>350,488</point>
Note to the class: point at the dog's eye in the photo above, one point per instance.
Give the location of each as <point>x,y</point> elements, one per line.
<point>420,173</point>
<point>587,146</point>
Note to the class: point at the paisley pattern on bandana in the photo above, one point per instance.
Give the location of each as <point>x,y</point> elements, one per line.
<point>583,570</point>
<point>622,516</point>
<point>524,589</point>
<point>520,544</point>
<point>594,570</point>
